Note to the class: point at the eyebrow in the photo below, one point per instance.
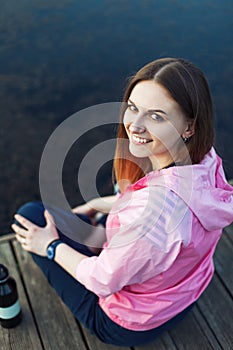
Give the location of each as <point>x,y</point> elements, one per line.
<point>150,110</point>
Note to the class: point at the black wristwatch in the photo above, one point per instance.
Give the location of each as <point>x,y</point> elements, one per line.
<point>51,249</point>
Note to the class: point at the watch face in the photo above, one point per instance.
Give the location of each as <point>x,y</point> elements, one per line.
<point>52,248</point>
<point>50,252</point>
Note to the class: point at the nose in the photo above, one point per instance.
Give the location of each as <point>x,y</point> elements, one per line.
<point>137,125</point>
<point>136,128</point>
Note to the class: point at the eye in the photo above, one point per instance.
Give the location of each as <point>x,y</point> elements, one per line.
<point>131,107</point>
<point>156,117</point>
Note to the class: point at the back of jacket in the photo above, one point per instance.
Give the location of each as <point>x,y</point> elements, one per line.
<point>161,236</point>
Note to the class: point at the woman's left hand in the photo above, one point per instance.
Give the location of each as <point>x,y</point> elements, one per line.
<point>34,238</point>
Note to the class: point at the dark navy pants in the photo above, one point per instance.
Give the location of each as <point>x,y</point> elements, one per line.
<point>82,302</point>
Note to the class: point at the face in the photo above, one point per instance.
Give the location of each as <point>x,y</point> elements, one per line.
<point>154,124</point>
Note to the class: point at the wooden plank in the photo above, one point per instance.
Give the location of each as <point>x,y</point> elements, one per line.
<point>55,322</point>
<point>25,335</point>
<point>206,329</point>
<point>229,232</point>
<point>192,334</point>
<point>7,237</point>
<point>217,308</point>
<point>224,262</point>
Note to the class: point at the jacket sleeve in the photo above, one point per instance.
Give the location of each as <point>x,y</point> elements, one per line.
<point>139,249</point>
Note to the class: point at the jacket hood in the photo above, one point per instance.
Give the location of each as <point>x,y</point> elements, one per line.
<point>212,196</point>
<point>203,187</point>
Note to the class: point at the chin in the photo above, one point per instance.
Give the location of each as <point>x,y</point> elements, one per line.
<point>139,152</point>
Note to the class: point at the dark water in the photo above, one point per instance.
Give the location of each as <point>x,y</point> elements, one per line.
<point>57,57</point>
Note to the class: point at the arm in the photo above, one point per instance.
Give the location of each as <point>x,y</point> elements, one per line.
<point>147,238</point>
<point>35,239</point>
<point>101,204</point>
<point>68,258</point>
<point>141,249</point>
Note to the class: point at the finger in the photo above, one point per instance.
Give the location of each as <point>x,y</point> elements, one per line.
<point>25,244</point>
<point>24,222</point>
<point>18,230</point>
<point>48,217</point>
<point>22,240</point>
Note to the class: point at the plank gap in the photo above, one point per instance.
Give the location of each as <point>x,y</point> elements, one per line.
<point>228,291</point>
<point>26,293</point>
<point>82,335</point>
<point>228,231</point>
<point>25,335</point>
<point>215,300</point>
<point>209,328</point>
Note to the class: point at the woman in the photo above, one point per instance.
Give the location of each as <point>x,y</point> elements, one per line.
<point>163,227</point>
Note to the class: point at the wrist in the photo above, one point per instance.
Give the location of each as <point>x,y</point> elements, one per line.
<point>51,248</point>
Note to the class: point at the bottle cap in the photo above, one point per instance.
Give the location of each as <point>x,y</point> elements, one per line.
<point>3,272</point>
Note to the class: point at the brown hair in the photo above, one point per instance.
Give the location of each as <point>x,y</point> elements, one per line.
<point>188,86</point>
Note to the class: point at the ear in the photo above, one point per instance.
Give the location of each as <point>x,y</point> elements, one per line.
<point>189,131</point>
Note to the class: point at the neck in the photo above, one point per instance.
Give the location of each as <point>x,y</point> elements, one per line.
<point>159,163</point>
<point>163,160</point>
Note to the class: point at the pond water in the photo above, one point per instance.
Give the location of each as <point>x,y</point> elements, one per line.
<point>58,57</point>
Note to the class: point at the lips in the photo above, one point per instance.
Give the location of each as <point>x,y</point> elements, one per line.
<point>140,140</point>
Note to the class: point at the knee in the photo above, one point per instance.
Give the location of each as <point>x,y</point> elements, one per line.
<point>33,211</point>
<point>30,207</point>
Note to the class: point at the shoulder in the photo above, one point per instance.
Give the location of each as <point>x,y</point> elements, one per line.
<point>153,206</point>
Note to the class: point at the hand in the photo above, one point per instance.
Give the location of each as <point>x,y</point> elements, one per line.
<point>34,238</point>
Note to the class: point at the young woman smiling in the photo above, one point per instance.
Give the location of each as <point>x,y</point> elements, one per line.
<point>163,226</point>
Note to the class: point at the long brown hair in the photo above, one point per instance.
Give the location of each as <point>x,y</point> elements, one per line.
<point>188,86</point>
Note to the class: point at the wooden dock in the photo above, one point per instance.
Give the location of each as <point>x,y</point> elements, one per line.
<point>49,325</point>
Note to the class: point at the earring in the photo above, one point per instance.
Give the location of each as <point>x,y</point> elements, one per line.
<point>185,139</point>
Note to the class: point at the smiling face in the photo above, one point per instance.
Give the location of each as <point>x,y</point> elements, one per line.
<point>155,124</point>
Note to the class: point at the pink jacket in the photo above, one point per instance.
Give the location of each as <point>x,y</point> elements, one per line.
<point>161,236</point>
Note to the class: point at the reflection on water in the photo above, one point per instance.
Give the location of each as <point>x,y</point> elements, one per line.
<point>57,57</point>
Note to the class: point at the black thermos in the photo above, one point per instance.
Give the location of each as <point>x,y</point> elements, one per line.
<point>10,310</point>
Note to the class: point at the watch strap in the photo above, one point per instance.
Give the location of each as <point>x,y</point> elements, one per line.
<point>51,248</point>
